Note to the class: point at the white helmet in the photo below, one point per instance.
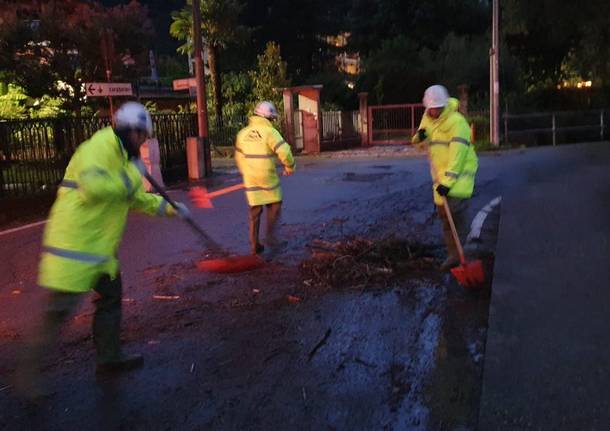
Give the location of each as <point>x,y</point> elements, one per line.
<point>435,96</point>
<point>133,115</point>
<point>265,109</point>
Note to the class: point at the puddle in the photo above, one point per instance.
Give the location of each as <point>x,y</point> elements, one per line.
<point>364,178</point>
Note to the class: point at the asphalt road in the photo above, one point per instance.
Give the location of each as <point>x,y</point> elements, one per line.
<point>234,352</point>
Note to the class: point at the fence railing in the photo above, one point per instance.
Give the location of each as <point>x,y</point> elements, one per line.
<point>34,153</point>
<point>393,124</point>
<point>340,129</point>
<point>554,128</point>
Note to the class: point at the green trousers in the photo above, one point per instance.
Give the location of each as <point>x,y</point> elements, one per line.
<point>459,212</point>
<point>61,306</point>
<point>274,212</point>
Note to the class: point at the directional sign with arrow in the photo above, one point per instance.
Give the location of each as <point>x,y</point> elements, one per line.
<point>105,89</point>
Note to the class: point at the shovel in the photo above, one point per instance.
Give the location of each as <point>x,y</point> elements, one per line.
<point>225,264</point>
<point>468,274</point>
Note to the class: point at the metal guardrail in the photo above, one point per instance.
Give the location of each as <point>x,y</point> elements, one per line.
<point>553,128</point>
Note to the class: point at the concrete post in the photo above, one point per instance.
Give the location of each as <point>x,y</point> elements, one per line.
<point>151,156</point>
<point>364,118</point>
<point>196,158</point>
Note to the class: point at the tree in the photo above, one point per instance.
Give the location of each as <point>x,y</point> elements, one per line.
<point>52,47</point>
<point>219,27</point>
<point>270,75</point>
<point>299,27</point>
<point>556,42</point>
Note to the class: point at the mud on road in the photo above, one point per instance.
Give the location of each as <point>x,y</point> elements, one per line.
<point>397,346</point>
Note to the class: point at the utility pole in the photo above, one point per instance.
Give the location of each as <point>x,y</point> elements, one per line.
<point>108,54</point>
<point>494,84</point>
<point>202,115</point>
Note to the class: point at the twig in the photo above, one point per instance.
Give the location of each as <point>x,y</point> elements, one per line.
<point>363,362</point>
<point>166,297</point>
<point>319,344</point>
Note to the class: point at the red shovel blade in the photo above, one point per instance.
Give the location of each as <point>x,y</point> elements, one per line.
<point>469,274</point>
<point>231,264</point>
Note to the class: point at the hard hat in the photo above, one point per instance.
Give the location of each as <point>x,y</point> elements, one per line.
<point>435,96</point>
<point>133,115</point>
<point>265,109</point>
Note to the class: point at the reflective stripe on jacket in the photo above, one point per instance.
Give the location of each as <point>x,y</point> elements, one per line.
<point>87,220</point>
<point>453,160</point>
<point>256,148</point>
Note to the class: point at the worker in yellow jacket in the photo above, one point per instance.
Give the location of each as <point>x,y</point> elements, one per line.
<point>256,148</point>
<point>453,162</point>
<point>103,181</point>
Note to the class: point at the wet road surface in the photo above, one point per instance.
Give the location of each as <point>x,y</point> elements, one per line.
<point>266,349</point>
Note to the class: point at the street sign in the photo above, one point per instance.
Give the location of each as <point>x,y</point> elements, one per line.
<point>105,89</point>
<point>184,84</point>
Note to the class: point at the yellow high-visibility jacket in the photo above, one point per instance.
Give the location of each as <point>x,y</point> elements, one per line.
<point>87,220</point>
<point>256,148</point>
<point>453,160</point>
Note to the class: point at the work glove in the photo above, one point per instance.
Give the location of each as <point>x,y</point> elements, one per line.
<point>442,190</point>
<point>139,164</point>
<point>421,135</point>
<point>183,212</point>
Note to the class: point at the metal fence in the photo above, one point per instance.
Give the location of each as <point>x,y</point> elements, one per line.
<point>393,124</point>
<point>34,153</point>
<point>340,129</point>
<point>223,134</point>
<point>555,128</point>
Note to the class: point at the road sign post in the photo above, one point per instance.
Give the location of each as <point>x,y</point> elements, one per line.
<point>184,84</point>
<point>108,89</point>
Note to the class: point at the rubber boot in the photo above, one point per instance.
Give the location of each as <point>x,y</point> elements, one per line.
<point>123,363</point>
<point>107,329</point>
<point>274,212</point>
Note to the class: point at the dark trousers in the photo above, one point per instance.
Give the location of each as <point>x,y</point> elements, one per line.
<point>274,211</point>
<point>459,211</point>
<point>62,305</point>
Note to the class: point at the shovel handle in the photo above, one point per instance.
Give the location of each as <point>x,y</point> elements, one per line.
<point>188,220</point>
<point>454,233</point>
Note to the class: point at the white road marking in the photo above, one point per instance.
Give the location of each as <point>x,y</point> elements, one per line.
<point>20,228</point>
<point>479,220</point>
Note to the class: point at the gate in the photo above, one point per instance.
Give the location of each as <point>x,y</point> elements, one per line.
<point>393,124</point>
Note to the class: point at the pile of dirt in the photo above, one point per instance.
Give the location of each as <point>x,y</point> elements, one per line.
<point>360,263</point>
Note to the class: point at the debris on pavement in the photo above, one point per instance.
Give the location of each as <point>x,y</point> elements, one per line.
<point>319,344</point>
<point>166,297</point>
<point>361,263</point>
<point>293,299</point>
